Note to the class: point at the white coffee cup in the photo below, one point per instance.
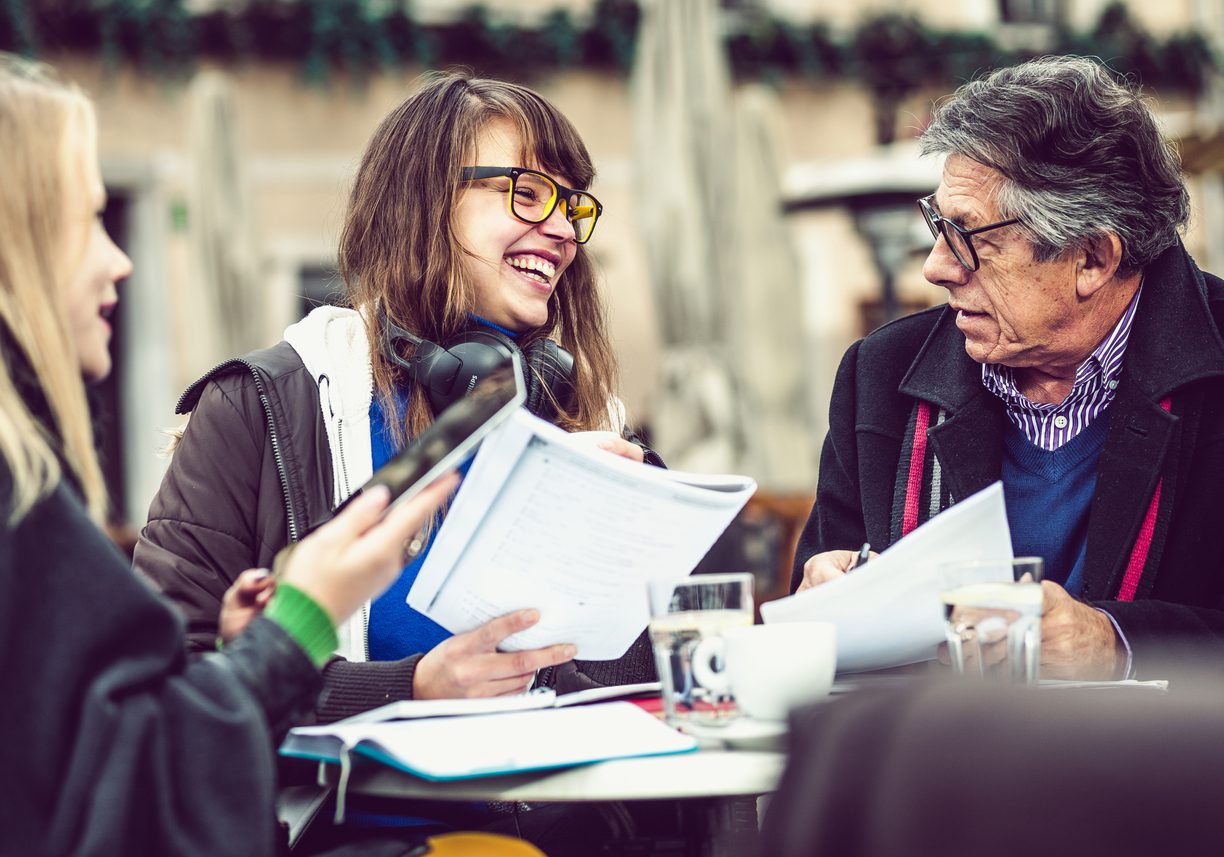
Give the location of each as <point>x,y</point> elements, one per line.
<point>770,669</point>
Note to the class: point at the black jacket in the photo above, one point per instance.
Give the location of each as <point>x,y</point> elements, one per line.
<point>1175,349</point>
<point>114,741</point>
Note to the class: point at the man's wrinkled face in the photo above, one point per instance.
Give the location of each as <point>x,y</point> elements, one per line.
<point>1012,310</point>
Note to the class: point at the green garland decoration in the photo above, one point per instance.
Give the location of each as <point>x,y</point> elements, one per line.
<point>892,55</point>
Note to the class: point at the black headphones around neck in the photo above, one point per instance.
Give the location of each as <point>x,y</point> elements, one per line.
<point>449,371</point>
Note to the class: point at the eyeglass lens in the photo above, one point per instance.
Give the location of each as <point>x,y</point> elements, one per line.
<point>958,242</point>
<point>533,198</point>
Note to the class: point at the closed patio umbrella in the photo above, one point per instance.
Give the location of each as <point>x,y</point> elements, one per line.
<point>767,333</point>
<point>224,258</point>
<point>720,257</point>
<point>685,186</point>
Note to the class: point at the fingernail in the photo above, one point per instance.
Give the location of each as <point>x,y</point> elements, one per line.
<point>380,492</point>
<point>261,573</point>
<point>530,615</point>
<point>414,546</point>
<point>571,652</point>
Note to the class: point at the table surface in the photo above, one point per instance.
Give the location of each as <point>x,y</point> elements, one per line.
<point>706,773</point>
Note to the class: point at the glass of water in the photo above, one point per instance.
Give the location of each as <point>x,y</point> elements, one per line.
<point>683,616</point>
<point>992,617</point>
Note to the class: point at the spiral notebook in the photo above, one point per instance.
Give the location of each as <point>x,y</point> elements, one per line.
<point>484,745</point>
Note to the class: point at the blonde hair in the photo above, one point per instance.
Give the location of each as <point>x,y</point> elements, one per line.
<point>46,127</point>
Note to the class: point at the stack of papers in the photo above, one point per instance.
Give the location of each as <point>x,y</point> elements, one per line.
<point>547,522</point>
<point>888,612</point>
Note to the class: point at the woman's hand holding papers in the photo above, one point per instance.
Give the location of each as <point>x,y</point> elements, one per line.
<point>469,665</point>
<point>830,565</point>
<point>610,442</point>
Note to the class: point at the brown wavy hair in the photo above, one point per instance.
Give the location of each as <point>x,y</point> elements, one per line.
<point>399,250</point>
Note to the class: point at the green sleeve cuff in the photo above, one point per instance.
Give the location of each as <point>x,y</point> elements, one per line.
<point>305,621</point>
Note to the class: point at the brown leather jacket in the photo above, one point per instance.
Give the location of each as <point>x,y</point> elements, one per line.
<point>252,473</point>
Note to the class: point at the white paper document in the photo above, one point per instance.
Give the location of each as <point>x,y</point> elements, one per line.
<point>888,611</point>
<point>546,522</point>
<point>1159,685</point>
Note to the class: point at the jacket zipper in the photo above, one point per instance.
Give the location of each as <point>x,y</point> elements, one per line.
<point>277,457</point>
<point>344,479</point>
<point>365,629</point>
<point>290,513</point>
<point>544,677</point>
<point>345,491</point>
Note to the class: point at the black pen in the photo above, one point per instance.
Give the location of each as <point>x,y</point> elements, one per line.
<point>864,552</point>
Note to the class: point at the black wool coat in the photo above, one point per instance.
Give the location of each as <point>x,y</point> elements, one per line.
<point>1175,351</point>
<point>114,741</point>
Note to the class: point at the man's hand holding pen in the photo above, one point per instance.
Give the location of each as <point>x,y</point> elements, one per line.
<point>830,565</point>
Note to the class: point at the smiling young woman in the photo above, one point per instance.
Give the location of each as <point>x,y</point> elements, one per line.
<point>467,223</point>
<point>434,249</point>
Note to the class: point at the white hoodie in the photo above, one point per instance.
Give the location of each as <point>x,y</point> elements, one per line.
<point>332,344</point>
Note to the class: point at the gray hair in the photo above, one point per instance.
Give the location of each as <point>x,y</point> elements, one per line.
<point>1080,151</point>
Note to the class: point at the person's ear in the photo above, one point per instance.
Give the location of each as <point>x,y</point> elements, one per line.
<point>1096,263</point>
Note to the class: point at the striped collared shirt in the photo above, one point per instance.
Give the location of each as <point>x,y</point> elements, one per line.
<point>1050,426</point>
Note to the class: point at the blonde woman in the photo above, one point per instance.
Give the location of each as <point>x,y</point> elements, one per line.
<point>115,743</point>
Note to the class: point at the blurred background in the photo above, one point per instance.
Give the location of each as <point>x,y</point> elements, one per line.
<point>756,161</point>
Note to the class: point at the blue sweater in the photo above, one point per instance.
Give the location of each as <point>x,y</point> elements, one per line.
<point>397,630</point>
<point>1049,496</point>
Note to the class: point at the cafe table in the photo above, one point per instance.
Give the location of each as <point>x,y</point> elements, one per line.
<point>713,789</point>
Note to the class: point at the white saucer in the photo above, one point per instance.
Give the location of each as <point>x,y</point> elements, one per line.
<point>742,733</point>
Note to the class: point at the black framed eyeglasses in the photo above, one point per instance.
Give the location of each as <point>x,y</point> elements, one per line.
<point>533,197</point>
<point>960,239</point>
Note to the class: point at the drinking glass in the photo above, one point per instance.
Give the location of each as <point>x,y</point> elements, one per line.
<point>683,615</point>
<point>992,617</point>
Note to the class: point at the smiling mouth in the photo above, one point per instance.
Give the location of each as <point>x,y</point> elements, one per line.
<point>533,267</point>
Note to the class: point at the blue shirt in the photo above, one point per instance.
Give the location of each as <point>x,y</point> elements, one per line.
<point>396,630</point>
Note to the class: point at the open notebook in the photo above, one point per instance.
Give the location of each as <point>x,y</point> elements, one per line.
<point>540,697</point>
<point>482,745</point>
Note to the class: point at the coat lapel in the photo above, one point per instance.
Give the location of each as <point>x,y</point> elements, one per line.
<point>1131,463</point>
<point>969,443</point>
<point>1173,343</point>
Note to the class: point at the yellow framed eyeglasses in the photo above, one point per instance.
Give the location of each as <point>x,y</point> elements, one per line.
<point>534,196</point>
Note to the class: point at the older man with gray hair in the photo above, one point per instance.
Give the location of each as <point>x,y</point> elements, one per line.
<point>1079,360</point>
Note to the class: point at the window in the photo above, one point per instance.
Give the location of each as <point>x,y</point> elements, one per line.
<point>1029,11</point>
<point>320,285</point>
